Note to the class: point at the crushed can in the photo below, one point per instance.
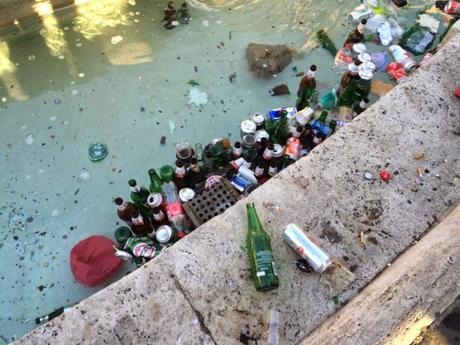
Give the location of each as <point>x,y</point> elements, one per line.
<point>453,8</point>
<point>396,72</point>
<point>307,248</point>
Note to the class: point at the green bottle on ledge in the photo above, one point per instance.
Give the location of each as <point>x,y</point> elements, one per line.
<point>260,253</point>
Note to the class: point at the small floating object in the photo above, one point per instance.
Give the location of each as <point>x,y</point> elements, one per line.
<point>57,101</point>
<point>97,151</point>
<point>116,39</point>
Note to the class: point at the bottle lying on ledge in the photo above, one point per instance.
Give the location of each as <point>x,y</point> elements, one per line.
<point>260,253</point>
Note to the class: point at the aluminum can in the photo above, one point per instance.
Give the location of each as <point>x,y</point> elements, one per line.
<point>259,120</point>
<point>396,72</point>
<point>154,200</point>
<point>186,194</point>
<point>164,234</point>
<point>248,127</point>
<point>293,147</point>
<point>453,7</point>
<point>306,248</point>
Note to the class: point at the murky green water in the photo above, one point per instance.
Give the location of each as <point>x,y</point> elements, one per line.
<point>67,84</point>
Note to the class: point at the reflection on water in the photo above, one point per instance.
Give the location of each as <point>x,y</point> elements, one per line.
<point>95,16</point>
<point>52,32</point>
<point>7,74</point>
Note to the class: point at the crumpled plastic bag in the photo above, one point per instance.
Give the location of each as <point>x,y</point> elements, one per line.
<point>429,22</point>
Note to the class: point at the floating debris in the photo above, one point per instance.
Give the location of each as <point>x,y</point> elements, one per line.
<point>85,175</point>
<point>31,57</point>
<point>57,101</point>
<point>81,75</point>
<point>97,151</point>
<point>197,96</point>
<point>172,126</point>
<point>116,39</point>
<point>29,139</point>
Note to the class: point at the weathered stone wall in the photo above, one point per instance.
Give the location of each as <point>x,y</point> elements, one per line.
<point>200,291</point>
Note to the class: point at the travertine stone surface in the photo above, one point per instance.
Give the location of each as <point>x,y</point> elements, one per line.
<point>200,290</point>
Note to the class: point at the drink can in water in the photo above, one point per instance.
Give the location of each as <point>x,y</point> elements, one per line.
<point>164,234</point>
<point>396,72</point>
<point>293,147</point>
<point>453,7</point>
<point>306,248</point>
<point>274,114</point>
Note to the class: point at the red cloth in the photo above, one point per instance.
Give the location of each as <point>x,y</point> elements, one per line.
<point>457,92</point>
<point>92,260</point>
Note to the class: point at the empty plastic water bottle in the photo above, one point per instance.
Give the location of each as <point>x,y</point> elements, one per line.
<point>384,31</point>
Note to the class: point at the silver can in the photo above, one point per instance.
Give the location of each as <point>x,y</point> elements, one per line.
<point>306,248</point>
<point>154,200</point>
<point>164,234</point>
<point>247,127</point>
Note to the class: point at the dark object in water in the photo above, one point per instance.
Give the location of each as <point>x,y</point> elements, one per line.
<point>184,15</point>
<point>326,42</point>
<point>170,17</point>
<point>163,140</point>
<point>279,90</point>
<point>232,77</point>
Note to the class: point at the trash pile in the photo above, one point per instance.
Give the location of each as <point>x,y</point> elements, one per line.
<point>166,210</point>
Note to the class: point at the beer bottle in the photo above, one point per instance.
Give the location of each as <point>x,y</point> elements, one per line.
<point>306,89</point>
<point>138,194</point>
<point>158,216</point>
<point>363,105</point>
<point>363,87</point>
<point>180,174</point>
<point>262,145</point>
<point>349,76</point>
<point>237,150</point>
<point>260,253</point>
<point>348,96</point>
<point>208,161</point>
<point>141,225</point>
<point>260,169</point>
<point>155,182</point>
<point>357,35</point>
<point>268,152</point>
<point>273,168</point>
<point>125,210</point>
<point>196,175</point>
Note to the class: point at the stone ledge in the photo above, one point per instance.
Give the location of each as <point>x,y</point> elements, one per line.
<point>405,298</point>
<point>199,291</point>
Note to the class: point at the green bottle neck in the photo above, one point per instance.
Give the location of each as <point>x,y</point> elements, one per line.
<point>254,224</point>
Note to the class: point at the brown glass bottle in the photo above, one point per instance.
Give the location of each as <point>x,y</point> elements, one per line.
<point>125,210</point>
<point>141,225</point>
<point>357,35</point>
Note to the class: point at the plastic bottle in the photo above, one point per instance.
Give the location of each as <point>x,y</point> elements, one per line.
<point>384,31</point>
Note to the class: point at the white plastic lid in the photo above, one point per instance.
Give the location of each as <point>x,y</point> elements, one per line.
<point>262,134</point>
<point>363,57</point>
<point>370,66</point>
<point>258,118</point>
<point>366,74</point>
<point>186,194</point>
<point>248,126</point>
<point>359,48</point>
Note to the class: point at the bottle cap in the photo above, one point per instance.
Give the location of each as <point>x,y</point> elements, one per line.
<point>154,200</point>
<point>364,57</point>
<point>258,118</point>
<point>278,151</point>
<point>248,126</point>
<point>353,68</point>
<point>370,66</point>
<point>366,74</point>
<point>311,72</point>
<point>359,48</point>
<point>186,194</point>
<point>164,234</point>
<point>262,134</point>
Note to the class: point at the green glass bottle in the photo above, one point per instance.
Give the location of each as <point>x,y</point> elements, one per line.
<point>260,253</point>
<point>155,182</point>
<point>139,194</point>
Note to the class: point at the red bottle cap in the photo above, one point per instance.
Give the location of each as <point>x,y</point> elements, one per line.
<point>385,175</point>
<point>457,92</point>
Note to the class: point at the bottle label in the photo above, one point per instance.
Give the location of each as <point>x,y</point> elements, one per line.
<point>159,217</point>
<point>181,172</point>
<point>272,170</point>
<point>264,262</point>
<point>268,154</point>
<point>259,171</point>
<point>138,221</point>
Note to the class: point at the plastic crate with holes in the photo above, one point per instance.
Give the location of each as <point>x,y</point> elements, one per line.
<point>211,202</point>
